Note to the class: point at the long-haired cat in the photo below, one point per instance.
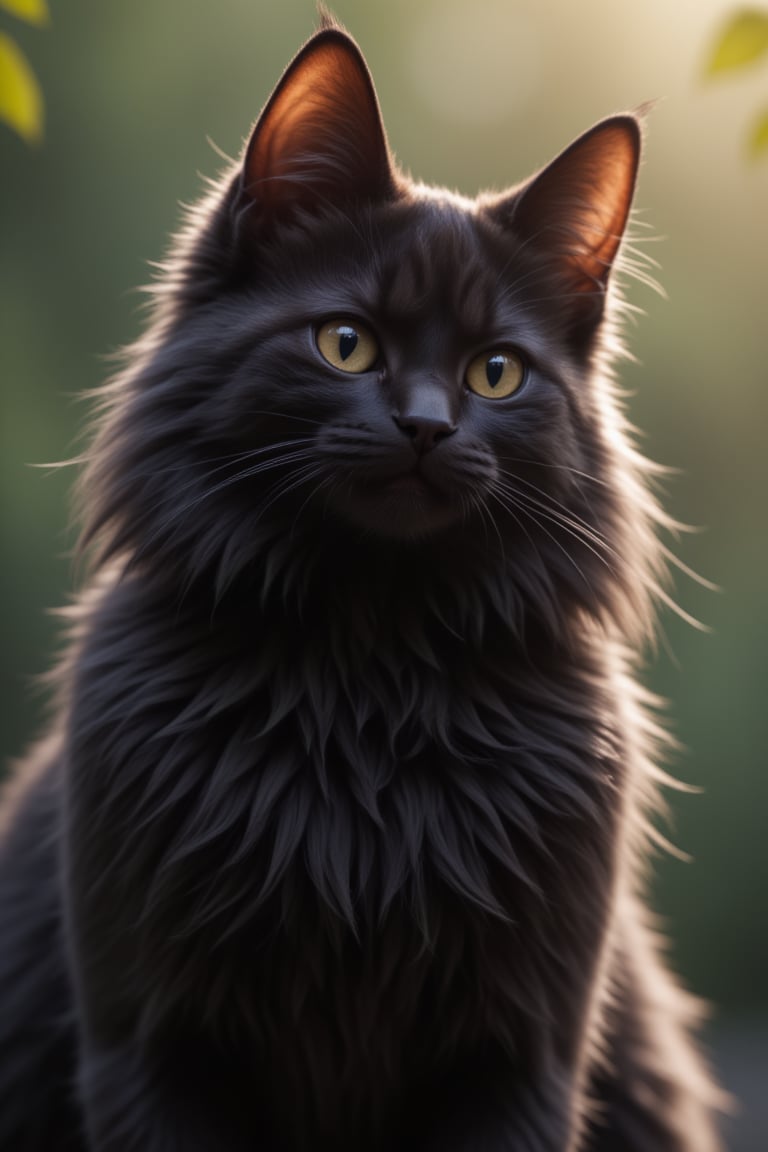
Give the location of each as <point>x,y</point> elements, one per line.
<point>337,839</point>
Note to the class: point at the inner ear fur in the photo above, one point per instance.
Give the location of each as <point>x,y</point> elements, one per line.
<point>320,136</point>
<point>576,209</point>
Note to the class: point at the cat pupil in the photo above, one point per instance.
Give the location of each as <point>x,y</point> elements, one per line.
<point>494,370</point>
<point>347,342</point>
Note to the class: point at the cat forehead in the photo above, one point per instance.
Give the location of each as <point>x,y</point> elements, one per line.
<point>430,255</point>
<point>442,255</point>
<point>444,198</point>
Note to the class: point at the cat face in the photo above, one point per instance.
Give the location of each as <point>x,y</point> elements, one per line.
<point>339,350</point>
<point>422,349</point>
<point>411,369</point>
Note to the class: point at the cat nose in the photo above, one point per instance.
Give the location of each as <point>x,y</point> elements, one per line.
<point>425,424</point>
<point>424,432</point>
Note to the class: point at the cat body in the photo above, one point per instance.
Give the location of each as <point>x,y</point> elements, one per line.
<point>337,839</point>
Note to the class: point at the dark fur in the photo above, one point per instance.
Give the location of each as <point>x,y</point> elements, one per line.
<point>337,841</point>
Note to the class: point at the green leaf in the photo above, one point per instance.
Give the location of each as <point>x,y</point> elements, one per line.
<point>35,11</point>
<point>21,101</point>
<point>743,40</point>
<point>758,140</point>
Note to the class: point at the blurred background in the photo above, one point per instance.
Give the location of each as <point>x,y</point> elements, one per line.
<point>475,94</point>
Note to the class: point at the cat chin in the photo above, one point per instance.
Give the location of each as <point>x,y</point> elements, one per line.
<point>405,507</point>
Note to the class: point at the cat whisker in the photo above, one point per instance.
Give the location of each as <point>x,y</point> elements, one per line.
<point>474,502</point>
<point>510,510</point>
<point>508,499</point>
<point>558,297</point>
<point>538,511</point>
<point>180,514</point>
<point>326,481</point>
<point>576,474</point>
<point>559,467</point>
<point>255,470</point>
<point>555,506</point>
<point>512,291</point>
<point>284,416</point>
<point>299,476</point>
<point>229,459</point>
<point>223,461</point>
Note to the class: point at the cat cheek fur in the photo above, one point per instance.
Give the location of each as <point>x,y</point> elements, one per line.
<point>338,838</point>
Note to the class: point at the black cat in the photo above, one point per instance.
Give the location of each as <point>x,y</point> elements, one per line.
<point>337,839</point>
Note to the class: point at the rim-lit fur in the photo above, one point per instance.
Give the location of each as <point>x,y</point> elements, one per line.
<point>338,840</point>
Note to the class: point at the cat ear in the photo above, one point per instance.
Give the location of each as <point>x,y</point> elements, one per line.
<point>575,211</point>
<point>320,139</point>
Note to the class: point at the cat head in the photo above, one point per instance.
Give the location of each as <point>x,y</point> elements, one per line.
<point>339,354</point>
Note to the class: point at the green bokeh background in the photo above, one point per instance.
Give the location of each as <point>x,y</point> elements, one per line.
<point>475,93</point>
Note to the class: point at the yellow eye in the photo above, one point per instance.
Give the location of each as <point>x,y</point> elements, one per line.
<point>496,374</point>
<point>348,345</point>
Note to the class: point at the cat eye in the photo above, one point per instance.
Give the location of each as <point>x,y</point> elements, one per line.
<point>348,345</point>
<point>496,374</point>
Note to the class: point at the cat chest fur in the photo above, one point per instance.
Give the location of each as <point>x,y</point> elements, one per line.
<point>318,859</point>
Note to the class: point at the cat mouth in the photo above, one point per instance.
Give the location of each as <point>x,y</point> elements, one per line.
<point>391,492</point>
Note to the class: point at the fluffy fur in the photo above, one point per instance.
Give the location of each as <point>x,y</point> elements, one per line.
<point>337,840</point>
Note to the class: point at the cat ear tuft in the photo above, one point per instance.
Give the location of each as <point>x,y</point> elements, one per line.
<point>320,139</point>
<point>576,209</point>
<point>327,19</point>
